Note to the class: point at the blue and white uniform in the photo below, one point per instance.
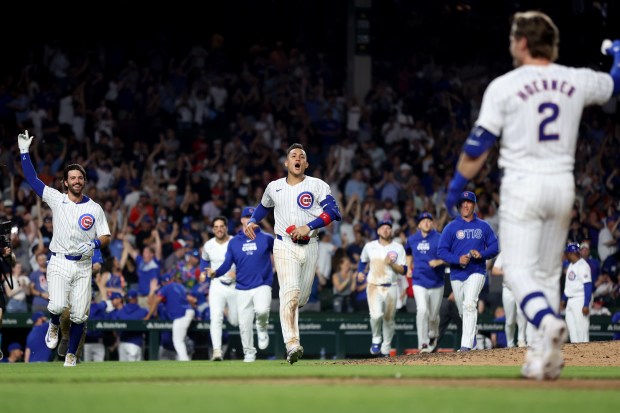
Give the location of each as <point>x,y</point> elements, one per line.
<point>458,238</point>
<point>577,295</point>
<point>254,278</point>
<point>428,284</point>
<point>131,342</point>
<point>181,313</point>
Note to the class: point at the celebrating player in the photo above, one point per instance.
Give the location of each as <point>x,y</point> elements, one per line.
<point>466,243</point>
<point>427,271</point>
<point>80,226</point>
<point>254,278</point>
<point>387,261</point>
<point>222,293</point>
<point>577,295</point>
<point>302,204</point>
<point>537,108</point>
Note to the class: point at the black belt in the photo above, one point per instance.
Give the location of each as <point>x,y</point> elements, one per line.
<point>386,285</point>
<point>70,257</point>
<point>225,283</point>
<point>296,241</point>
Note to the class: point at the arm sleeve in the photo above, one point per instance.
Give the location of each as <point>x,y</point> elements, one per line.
<point>204,264</point>
<point>587,291</point>
<point>331,212</point>
<point>31,175</point>
<point>361,266</point>
<point>260,212</point>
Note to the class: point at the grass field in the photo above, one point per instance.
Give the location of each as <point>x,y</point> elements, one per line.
<point>308,386</point>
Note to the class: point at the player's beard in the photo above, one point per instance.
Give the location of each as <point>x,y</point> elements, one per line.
<point>76,193</point>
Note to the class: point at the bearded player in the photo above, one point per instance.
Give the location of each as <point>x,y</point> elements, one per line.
<point>80,227</point>
<point>536,109</point>
<point>302,204</point>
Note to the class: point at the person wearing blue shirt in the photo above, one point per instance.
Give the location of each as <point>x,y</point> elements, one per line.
<point>36,349</point>
<point>253,259</point>
<point>130,347</point>
<point>174,296</point>
<point>466,243</point>
<point>427,275</point>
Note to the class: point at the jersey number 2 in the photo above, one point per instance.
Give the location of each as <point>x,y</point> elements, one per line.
<point>551,111</point>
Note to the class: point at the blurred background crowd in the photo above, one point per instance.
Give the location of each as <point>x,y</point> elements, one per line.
<point>191,120</point>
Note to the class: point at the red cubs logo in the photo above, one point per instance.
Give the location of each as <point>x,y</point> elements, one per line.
<point>571,276</point>
<point>86,222</point>
<point>305,200</point>
<point>460,234</point>
<point>392,255</point>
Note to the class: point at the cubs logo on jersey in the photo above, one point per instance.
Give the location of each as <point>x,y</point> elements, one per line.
<point>469,233</point>
<point>571,275</point>
<point>86,221</point>
<point>305,200</point>
<point>392,255</point>
<point>424,247</point>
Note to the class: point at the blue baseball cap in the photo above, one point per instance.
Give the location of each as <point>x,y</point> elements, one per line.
<point>132,294</point>
<point>116,295</point>
<point>247,212</point>
<point>195,253</point>
<point>425,215</point>
<point>14,346</point>
<point>466,196</point>
<point>165,278</point>
<point>572,248</point>
<point>384,222</point>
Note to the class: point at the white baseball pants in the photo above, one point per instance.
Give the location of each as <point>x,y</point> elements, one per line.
<point>129,352</point>
<point>382,309</point>
<point>179,332</point>
<point>295,266</point>
<point>578,324</point>
<point>514,318</point>
<point>94,352</point>
<point>466,297</point>
<point>249,302</point>
<point>69,284</point>
<point>220,297</point>
<point>427,303</point>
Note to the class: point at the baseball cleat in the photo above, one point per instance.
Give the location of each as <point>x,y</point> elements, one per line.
<point>51,338</point>
<point>425,348</point>
<point>249,358</point>
<point>294,354</point>
<point>63,346</point>
<point>70,360</point>
<point>463,349</point>
<point>217,355</point>
<point>263,339</point>
<point>375,349</point>
<point>555,335</point>
<point>521,344</point>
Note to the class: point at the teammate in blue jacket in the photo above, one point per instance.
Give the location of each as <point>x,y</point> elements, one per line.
<point>174,296</point>
<point>427,274</point>
<point>252,257</point>
<point>466,243</point>
<point>36,349</point>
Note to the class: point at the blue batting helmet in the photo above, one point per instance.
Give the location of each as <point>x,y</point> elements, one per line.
<point>572,248</point>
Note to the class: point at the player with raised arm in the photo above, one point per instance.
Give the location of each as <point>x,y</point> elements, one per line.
<point>302,204</point>
<point>222,292</point>
<point>536,109</point>
<point>80,227</point>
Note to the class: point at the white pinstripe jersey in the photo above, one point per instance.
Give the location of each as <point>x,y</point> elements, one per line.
<point>374,254</point>
<point>295,204</point>
<point>74,223</point>
<point>577,275</point>
<point>215,252</point>
<point>537,110</point>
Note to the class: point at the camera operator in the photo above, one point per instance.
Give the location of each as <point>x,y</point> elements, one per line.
<point>6,262</point>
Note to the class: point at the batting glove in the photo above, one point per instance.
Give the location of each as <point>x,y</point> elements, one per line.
<point>84,247</point>
<point>23,140</point>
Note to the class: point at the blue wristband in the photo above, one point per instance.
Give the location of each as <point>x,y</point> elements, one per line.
<point>97,243</point>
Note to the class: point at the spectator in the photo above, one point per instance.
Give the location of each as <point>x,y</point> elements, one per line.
<point>21,289</point>
<point>607,244</point>
<point>15,354</point>
<point>343,281</point>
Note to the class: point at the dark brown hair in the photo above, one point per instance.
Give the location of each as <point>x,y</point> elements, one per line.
<point>295,146</point>
<point>542,35</point>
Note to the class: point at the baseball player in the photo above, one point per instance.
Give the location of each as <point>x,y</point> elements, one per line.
<point>513,314</point>
<point>222,293</point>
<point>131,342</point>
<point>80,226</point>
<point>36,350</point>
<point>252,257</point>
<point>466,243</point>
<point>385,260</point>
<point>577,295</point>
<point>427,271</point>
<point>302,204</point>
<point>174,296</point>
<point>537,108</point>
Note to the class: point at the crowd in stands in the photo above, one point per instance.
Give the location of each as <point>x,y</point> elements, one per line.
<point>172,139</point>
